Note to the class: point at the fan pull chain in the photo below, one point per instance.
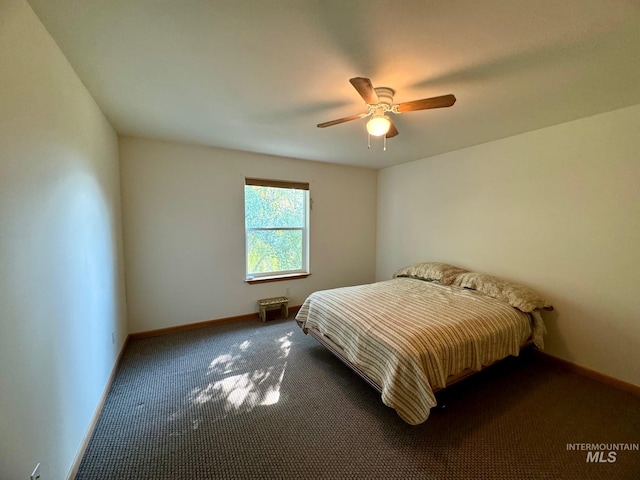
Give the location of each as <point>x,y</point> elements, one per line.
<point>384,142</point>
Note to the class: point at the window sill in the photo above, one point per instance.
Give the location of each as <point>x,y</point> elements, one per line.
<point>277,278</point>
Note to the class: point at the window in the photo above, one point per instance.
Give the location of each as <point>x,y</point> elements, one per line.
<point>276,229</point>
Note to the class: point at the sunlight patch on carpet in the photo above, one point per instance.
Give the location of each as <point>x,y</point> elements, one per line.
<point>244,391</point>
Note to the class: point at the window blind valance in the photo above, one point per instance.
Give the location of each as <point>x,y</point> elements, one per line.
<point>262,182</point>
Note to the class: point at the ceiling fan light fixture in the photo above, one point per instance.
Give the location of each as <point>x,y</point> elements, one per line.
<point>378,125</point>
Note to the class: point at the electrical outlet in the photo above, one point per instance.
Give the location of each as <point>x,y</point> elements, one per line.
<point>287,291</point>
<point>35,475</point>
<point>113,338</point>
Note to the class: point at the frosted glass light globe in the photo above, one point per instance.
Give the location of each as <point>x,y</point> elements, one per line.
<point>378,125</point>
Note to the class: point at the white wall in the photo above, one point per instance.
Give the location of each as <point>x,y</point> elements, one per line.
<point>557,209</point>
<point>61,279</point>
<point>183,209</point>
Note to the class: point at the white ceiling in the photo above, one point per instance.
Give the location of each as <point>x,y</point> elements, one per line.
<point>258,75</point>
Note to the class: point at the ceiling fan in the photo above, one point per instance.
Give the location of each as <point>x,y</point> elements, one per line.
<point>380,101</point>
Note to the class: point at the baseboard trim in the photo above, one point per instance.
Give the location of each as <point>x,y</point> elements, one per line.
<point>614,382</point>
<point>75,466</point>
<point>207,323</point>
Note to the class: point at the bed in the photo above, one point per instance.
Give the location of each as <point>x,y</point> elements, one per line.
<point>427,327</point>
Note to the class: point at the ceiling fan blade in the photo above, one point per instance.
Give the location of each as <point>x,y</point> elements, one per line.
<point>393,131</point>
<point>427,103</point>
<point>342,120</point>
<point>365,89</point>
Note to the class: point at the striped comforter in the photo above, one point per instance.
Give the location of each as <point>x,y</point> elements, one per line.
<point>409,335</point>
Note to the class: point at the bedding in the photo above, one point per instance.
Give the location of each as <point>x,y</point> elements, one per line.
<point>409,335</point>
<point>431,271</point>
<point>516,295</point>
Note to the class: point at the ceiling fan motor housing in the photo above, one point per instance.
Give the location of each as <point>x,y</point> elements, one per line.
<point>385,94</point>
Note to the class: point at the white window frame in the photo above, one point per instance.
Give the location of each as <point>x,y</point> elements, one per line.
<point>282,274</point>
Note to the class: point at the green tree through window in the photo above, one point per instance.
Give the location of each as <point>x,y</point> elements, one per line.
<point>276,227</point>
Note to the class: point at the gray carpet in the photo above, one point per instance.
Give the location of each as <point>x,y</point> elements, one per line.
<point>254,400</point>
